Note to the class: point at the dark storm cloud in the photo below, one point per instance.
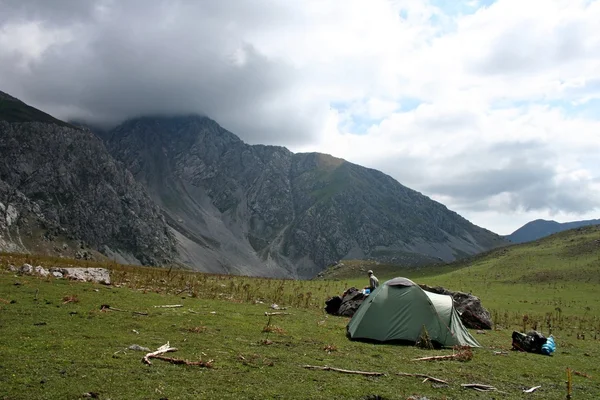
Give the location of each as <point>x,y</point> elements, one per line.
<point>130,58</point>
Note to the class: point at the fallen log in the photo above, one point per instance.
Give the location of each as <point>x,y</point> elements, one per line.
<point>165,348</point>
<point>427,377</point>
<point>343,371</point>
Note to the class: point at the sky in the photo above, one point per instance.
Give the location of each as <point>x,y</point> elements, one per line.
<point>489,107</point>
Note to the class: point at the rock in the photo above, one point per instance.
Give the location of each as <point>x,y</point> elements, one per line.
<point>41,271</point>
<point>332,305</point>
<point>351,300</point>
<point>27,269</point>
<point>74,189</point>
<point>12,268</point>
<point>472,314</point>
<point>99,275</point>
<point>137,347</point>
<point>57,274</point>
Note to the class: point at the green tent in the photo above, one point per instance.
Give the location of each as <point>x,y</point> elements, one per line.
<point>397,311</point>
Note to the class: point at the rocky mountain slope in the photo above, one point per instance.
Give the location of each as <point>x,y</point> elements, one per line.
<point>61,191</point>
<point>540,228</point>
<point>238,208</point>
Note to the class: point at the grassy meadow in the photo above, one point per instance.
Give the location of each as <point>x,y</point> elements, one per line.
<point>57,343</point>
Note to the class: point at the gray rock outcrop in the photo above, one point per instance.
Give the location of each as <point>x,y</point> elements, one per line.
<point>58,181</point>
<point>264,210</point>
<point>472,313</point>
<point>97,275</point>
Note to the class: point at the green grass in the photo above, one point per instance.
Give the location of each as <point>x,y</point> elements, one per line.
<point>51,350</point>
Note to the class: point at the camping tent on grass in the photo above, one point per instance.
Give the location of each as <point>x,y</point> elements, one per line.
<point>398,310</point>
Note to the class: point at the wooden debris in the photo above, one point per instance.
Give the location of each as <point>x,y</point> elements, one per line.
<point>343,371</point>
<point>70,299</point>
<point>106,307</point>
<point>463,353</point>
<point>204,364</point>
<point>582,374</point>
<point>531,390</point>
<point>268,314</point>
<point>170,306</point>
<point>427,377</point>
<point>501,353</point>
<point>165,348</point>
<point>479,387</point>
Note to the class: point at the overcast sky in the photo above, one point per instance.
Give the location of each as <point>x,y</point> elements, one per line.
<point>492,108</point>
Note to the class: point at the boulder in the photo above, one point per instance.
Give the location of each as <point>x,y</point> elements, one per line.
<point>99,275</point>
<point>41,271</point>
<point>472,314</point>
<point>332,305</point>
<point>345,305</point>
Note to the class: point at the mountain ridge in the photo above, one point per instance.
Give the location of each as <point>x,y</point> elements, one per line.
<point>540,228</point>
<point>183,189</point>
<point>295,213</point>
<point>62,192</point>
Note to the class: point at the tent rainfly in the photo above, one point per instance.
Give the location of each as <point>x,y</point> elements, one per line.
<point>397,311</point>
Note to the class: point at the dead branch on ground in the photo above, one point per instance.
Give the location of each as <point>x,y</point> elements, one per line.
<point>582,374</point>
<point>170,306</point>
<point>165,348</point>
<point>70,299</point>
<point>106,307</point>
<point>463,353</point>
<point>479,387</point>
<point>427,377</point>
<point>344,371</point>
<point>268,314</point>
<point>204,364</point>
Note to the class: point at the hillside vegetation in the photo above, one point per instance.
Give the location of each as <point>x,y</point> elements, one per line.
<point>55,342</point>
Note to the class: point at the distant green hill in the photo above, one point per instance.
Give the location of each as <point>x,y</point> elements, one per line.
<point>560,271</point>
<point>541,228</point>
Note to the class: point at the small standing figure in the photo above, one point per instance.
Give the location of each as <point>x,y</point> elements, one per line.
<point>373,281</point>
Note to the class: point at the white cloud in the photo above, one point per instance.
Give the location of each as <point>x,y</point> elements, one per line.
<point>489,110</point>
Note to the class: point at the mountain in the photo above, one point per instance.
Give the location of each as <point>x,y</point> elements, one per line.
<point>62,192</point>
<point>254,209</point>
<point>540,228</point>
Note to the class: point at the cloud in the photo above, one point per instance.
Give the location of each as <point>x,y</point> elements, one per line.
<point>489,107</point>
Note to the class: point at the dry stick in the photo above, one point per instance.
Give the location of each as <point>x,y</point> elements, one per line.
<point>182,290</point>
<point>268,314</point>
<point>170,306</point>
<point>344,371</point>
<point>165,348</point>
<point>107,307</point>
<point>427,377</point>
<point>479,387</point>
<point>582,374</point>
<point>205,364</point>
<point>433,358</point>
